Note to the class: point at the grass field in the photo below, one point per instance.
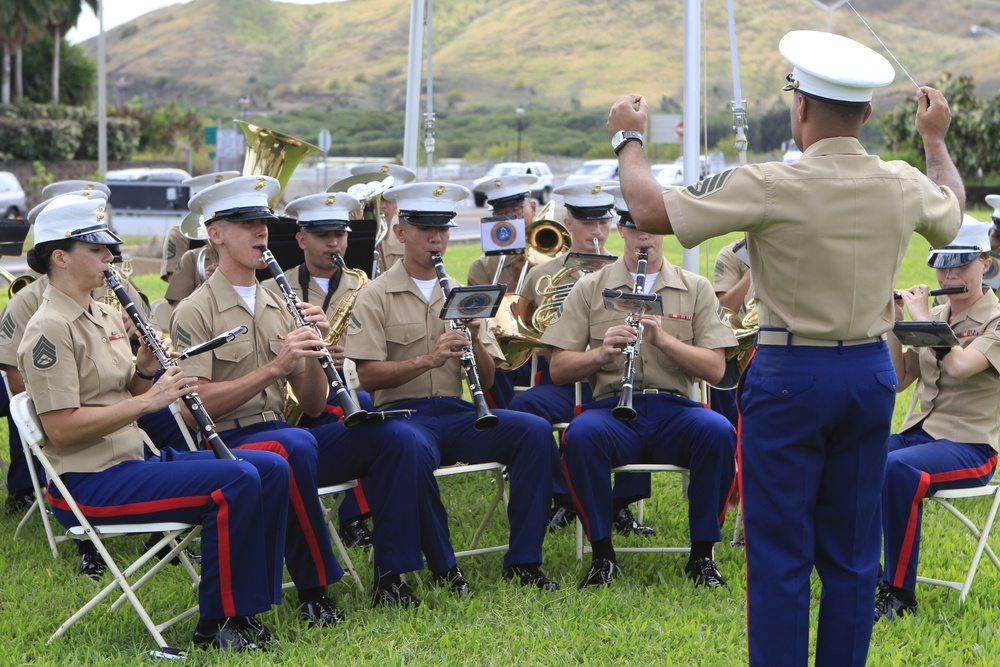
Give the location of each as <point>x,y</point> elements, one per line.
<point>653,616</point>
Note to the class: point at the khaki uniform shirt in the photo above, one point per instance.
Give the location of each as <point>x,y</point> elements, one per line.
<point>348,284</point>
<point>691,313</point>
<point>393,322</point>
<point>187,276</point>
<point>826,234</point>
<point>215,308</point>
<point>175,245</point>
<point>72,358</point>
<point>26,302</point>
<point>966,410</point>
<point>392,249</point>
<point>729,270</point>
<point>483,268</point>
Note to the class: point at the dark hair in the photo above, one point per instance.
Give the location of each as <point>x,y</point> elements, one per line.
<point>849,113</point>
<point>40,256</point>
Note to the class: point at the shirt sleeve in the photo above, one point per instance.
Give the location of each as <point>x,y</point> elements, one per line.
<point>188,326</point>
<point>735,200</point>
<point>47,361</point>
<point>366,332</point>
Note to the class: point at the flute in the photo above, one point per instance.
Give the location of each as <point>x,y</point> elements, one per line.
<point>191,400</point>
<point>353,415</point>
<point>939,292</point>
<point>624,410</point>
<point>484,418</point>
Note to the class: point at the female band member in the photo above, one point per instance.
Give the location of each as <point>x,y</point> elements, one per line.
<point>78,369</point>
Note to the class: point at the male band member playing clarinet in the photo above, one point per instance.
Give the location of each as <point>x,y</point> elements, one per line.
<point>241,385</point>
<point>408,358</point>
<point>685,344</point>
<point>826,236</point>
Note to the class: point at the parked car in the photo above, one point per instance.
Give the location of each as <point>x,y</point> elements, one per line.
<point>541,191</point>
<point>594,170</point>
<point>147,174</point>
<point>792,152</point>
<point>11,196</point>
<point>669,173</point>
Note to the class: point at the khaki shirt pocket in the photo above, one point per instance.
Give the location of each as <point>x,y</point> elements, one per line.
<point>232,354</point>
<point>404,336</point>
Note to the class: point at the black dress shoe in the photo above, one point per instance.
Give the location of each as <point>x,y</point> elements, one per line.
<point>560,517</point>
<point>18,503</point>
<point>92,565</point>
<point>529,575</point>
<point>702,572</point>
<point>627,524</point>
<point>321,612</point>
<point>253,629</point>
<point>355,534</point>
<point>227,638</point>
<point>454,580</point>
<point>391,591</point>
<point>889,606</point>
<point>601,572</point>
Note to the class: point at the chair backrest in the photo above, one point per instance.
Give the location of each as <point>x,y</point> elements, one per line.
<point>161,310</point>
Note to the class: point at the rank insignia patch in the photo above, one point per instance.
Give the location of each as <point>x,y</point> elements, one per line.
<point>709,185</point>
<point>7,329</point>
<point>43,354</point>
<point>182,339</point>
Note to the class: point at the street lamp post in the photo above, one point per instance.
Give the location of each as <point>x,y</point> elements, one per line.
<point>520,115</point>
<point>976,29</point>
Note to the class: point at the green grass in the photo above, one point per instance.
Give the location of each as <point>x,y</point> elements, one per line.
<point>651,616</point>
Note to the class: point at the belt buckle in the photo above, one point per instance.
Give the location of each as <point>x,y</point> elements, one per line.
<point>269,416</point>
<point>651,391</point>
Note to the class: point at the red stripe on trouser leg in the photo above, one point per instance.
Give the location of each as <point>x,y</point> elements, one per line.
<point>359,496</point>
<point>911,530</point>
<point>295,498</point>
<point>225,554</point>
<point>573,496</point>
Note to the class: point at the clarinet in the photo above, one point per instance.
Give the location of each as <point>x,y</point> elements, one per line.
<point>484,418</point>
<point>353,415</point>
<point>624,410</point>
<point>191,400</point>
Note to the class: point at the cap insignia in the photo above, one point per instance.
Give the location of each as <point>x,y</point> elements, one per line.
<point>259,185</point>
<point>90,186</point>
<point>100,214</point>
<point>498,183</point>
<point>595,190</point>
<point>68,234</point>
<point>85,195</point>
<point>384,169</point>
<point>219,178</point>
<point>439,190</point>
<point>331,200</point>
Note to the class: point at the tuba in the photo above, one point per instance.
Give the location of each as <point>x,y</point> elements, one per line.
<point>273,154</point>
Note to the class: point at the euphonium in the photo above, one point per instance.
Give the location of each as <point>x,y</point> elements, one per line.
<point>341,316</point>
<point>737,358</point>
<point>273,154</point>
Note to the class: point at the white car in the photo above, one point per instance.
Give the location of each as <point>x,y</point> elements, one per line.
<point>792,153</point>
<point>543,186</point>
<point>667,174</point>
<point>11,196</point>
<point>594,170</point>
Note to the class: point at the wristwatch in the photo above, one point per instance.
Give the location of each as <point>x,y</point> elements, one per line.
<point>622,137</point>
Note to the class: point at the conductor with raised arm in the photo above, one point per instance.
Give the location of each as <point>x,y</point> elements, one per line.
<point>826,236</point>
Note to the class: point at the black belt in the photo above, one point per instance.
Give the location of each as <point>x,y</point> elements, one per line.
<point>637,392</point>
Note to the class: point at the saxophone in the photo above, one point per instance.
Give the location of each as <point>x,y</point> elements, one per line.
<point>341,315</point>
<point>339,320</point>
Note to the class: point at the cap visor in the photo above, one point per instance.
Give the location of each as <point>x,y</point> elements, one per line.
<point>951,260</point>
<point>324,227</point>
<point>245,215</point>
<point>101,237</point>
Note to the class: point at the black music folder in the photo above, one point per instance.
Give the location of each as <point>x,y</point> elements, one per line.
<point>935,333</point>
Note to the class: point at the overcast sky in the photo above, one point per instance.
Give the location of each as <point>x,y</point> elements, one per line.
<point>117,12</point>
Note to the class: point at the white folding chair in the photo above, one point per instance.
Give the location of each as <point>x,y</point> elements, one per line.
<point>39,504</point>
<point>161,311</point>
<point>582,547</point>
<point>179,535</point>
<point>338,491</point>
<point>980,534</point>
<point>495,471</point>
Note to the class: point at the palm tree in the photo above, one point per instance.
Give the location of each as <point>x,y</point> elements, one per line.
<point>18,20</point>
<point>63,15</point>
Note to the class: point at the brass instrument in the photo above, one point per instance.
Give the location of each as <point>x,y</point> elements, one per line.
<point>273,154</point>
<point>121,274</point>
<point>737,358</point>
<point>484,418</point>
<point>553,290</point>
<point>369,190</point>
<point>545,239</point>
<point>15,283</point>
<point>341,316</point>
<point>624,410</point>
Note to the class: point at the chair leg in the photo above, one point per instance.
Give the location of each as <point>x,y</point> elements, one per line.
<point>38,504</point>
